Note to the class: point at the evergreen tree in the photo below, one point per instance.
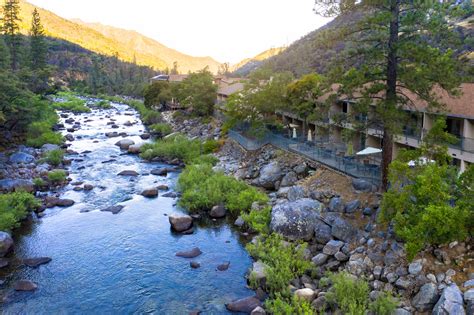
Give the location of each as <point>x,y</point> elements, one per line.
<point>38,47</point>
<point>4,56</point>
<point>399,48</point>
<point>11,30</point>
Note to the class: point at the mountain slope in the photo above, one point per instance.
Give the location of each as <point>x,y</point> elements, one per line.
<point>247,65</point>
<point>128,45</point>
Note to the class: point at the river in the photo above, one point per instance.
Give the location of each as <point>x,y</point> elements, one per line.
<point>125,263</point>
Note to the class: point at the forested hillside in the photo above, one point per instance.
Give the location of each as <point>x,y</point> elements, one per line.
<point>127,45</point>
<point>316,51</point>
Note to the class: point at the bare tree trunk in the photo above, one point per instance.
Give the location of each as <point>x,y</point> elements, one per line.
<point>391,93</point>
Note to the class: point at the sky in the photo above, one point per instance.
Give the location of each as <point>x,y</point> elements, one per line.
<point>227,30</point>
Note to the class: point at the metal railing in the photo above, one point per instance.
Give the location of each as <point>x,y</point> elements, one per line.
<point>328,154</point>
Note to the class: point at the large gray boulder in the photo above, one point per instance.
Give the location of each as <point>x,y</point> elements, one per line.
<point>6,243</point>
<point>21,158</point>
<point>269,175</point>
<point>296,220</point>
<point>180,223</point>
<point>343,230</point>
<point>16,184</point>
<point>295,193</point>
<point>336,204</point>
<point>245,305</point>
<point>352,206</point>
<point>426,297</point>
<point>289,179</point>
<point>124,144</point>
<point>450,303</point>
<point>361,185</point>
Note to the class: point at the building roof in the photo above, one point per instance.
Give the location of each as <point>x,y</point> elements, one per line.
<point>177,77</point>
<point>231,89</point>
<point>461,106</point>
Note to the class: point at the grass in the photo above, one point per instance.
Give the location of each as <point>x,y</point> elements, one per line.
<point>41,131</point>
<point>14,207</point>
<point>104,104</point>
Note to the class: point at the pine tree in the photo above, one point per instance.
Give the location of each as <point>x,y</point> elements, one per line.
<point>4,56</point>
<point>398,48</point>
<point>38,47</point>
<point>11,30</point>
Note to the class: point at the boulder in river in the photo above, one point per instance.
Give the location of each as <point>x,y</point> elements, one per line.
<point>6,243</point>
<point>160,171</point>
<point>180,223</point>
<point>150,193</point>
<point>25,285</point>
<point>145,136</point>
<point>36,262</point>
<point>194,264</point>
<point>124,144</point>
<point>192,253</point>
<point>224,266</point>
<point>296,220</point>
<point>218,211</point>
<point>57,202</point>
<point>114,209</point>
<point>134,149</point>
<point>128,173</point>
<point>245,305</point>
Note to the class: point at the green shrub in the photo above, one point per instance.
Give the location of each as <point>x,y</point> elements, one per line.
<point>293,306</point>
<point>349,293</point>
<point>40,132</point>
<point>205,159</point>
<point>259,220</point>
<point>54,157</point>
<point>161,129</point>
<point>57,176</point>
<point>104,104</point>
<point>285,262</point>
<point>39,182</point>
<point>384,304</point>
<point>14,207</point>
<point>175,147</point>
<point>75,105</point>
<point>210,146</point>
<point>202,188</point>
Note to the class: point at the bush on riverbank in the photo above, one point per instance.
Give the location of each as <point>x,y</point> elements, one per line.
<point>14,207</point>
<point>71,102</point>
<point>54,157</point>
<point>161,129</point>
<point>57,176</point>
<point>175,147</point>
<point>203,188</point>
<point>147,115</point>
<point>40,133</point>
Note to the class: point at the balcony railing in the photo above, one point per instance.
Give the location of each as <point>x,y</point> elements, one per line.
<point>464,144</point>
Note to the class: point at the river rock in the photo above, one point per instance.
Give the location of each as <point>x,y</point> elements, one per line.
<point>9,185</point>
<point>49,147</point>
<point>352,206</point>
<point>113,134</point>
<point>296,220</point>
<point>88,187</point>
<point>180,223</point>
<point>145,136</point>
<point>336,204</point>
<point>258,311</point>
<point>361,185</point>
<point>332,247</point>
<point>245,305</point>
<point>426,298</point>
<point>343,230</point>
<point>159,172</point>
<point>150,193</point>
<point>258,272</point>
<point>295,193</point>
<point>239,222</point>
<point>69,137</point>
<point>52,201</point>
<point>128,173</point>
<point>289,179</point>
<point>36,262</point>
<point>25,285</point>
<point>6,243</point>
<point>306,294</point>
<point>451,302</point>
<point>189,253</point>
<point>134,149</point>
<point>194,264</point>
<point>124,144</point>
<point>224,266</point>
<point>269,175</point>
<point>21,158</point>
<point>218,212</point>
<point>320,259</point>
<point>322,232</point>
<point>114,209</point>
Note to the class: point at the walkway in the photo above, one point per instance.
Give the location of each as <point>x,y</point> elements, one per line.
<point>320,153</point>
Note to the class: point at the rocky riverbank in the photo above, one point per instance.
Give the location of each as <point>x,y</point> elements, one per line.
<point>337,216</point>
